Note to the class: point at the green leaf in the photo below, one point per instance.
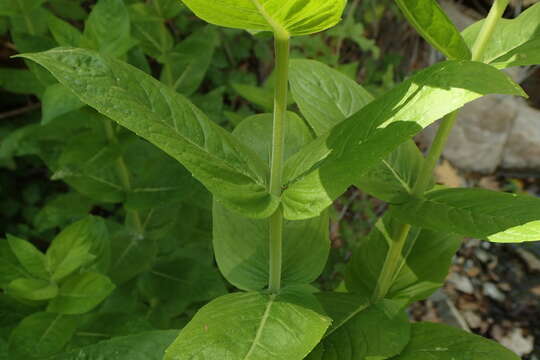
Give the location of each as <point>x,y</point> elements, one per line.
<point>154,111</point>
<point>437,341</point>
<point>251,326</point>
<point>262,97</point>
<point>324,169</point>
<point>145,346</point>
<point>41,335</point>
<point>484,214</point>
<point>430,20</point>
<point>58,100</point>
<point>20,81</point>
<point>63,32</point>
<point>394,178</point>
<point>241,249</point>
<point>108,28</point>
<point>154,37</point>
<point>292,18</point>
<point>131,255</point>
<point>515,42</point>
<point>76,246</point>
<point>157,180</point>
<point>181,281</point>
<point>81,293</point>
<point>62,210</point>
<point>360,330</point>
<point>10,268</point>
<point>186,65</point>
<point>29,256</point>
<point>324,95</point>
<point>68,9</point>
<point>18,7</point>
<point>32,289</point>
<point>423,267</point>
<point>241,244</point>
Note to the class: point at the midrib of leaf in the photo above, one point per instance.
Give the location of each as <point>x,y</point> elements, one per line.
<point>398,178</point>
<point>346,319</point>
<point>49,329</point>
<point>278,28</point>
<point>167,276</point>
<point>264,319</point>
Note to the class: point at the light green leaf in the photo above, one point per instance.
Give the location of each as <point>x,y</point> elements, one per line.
<point>324,95</point>
<point>394,178</point>
<point>437,341</point>
<point>515,42</point>
<point>423,267</point>
<point>58,100</point>
<point>142,104</point>
<point>186,65</point>
<point>360,330</point>
<point>81,293</point>
<point>108,28</point>
<point>10,268</point>
<point>63,32</point>
<point>32,289</point>
<point>289,18</point>
<point>251,326</point>
<point>41,335</point>
<point>324,169</point>
<point>476,213</point>
<point>76,246</point>
<point>144,346</point>
<point>241,244</point>
<point>29,256</point>
<point>430,20</point>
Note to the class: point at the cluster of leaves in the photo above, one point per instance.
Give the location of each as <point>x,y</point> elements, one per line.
<point>340,135</point>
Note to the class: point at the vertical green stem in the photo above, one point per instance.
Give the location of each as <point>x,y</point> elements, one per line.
<point>276,167</point>
<point>391,265</point>
<point>123,174</point>
<point>394,257</point>
<point>495,14</point>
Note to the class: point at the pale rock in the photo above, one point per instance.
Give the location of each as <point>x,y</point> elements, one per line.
<point>462,283</point>
<point>492,291</point>
<point>522,151</point>
<point>478,140</point>
<point>515,341</point>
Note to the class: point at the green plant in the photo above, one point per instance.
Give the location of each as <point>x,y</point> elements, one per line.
<point>274,177</point>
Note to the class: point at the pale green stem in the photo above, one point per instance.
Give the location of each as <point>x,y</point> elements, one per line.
<point>495,14</point>
<point>276,167</point>
<point>124,176</point>
<point>395,258</point>
<point>391,265</point>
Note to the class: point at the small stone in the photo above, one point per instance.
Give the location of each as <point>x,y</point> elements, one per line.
<point>536,290</point>
<point>482,255</point>
<point>473,319</point>
<point>533,263</point>
<point>493,292</point>
<point>462,283</point>
<point>515,341</point>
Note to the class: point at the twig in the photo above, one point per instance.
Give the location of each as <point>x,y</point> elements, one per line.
<point>20,111</point>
